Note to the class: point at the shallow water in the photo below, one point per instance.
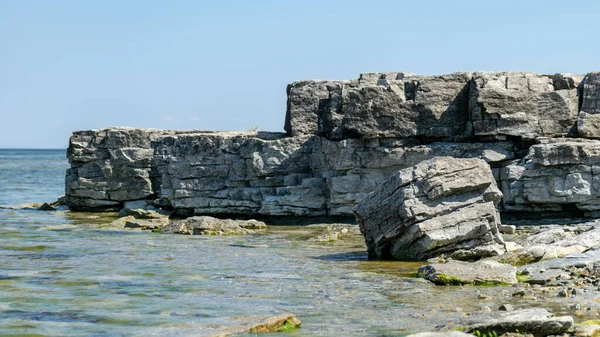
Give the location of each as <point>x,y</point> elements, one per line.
<point>68,274</point>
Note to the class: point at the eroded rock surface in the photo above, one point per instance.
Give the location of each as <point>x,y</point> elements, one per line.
<point>206,225</point>
<point>556,175</point>
<point>390,105</point>
<point>438,206</point>
<point>523,105</point>
<point>536,321</point>
<point>344,138</point>
<point>244,172</point>
<point>459,272</point>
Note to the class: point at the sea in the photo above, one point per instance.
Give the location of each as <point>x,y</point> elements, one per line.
<point>64,273</point>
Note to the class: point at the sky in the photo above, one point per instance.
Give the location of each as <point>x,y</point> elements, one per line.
<point>224,65</point>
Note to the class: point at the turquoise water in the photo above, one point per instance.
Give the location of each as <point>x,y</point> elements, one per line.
<point>68,274</point>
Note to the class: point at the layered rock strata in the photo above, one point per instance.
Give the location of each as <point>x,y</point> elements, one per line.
<point>245,173</point>
<point>438,206</point>
<point>343,139</point>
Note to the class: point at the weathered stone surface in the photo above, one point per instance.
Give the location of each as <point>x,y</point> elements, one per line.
<point>147,224</point>
<point>206,225</point>
<point>381,105</point>
<point>556,175</point>
<point>349,137</point>
<point>141,209</point>
<point>251,173</point>
<point>559,247</point>
<point>459,272</point>
<point>306,101</point>
<point>523,105</point>
<point>437,206</point>
<point>588,125</point>
<point>536,321</point>
<point>109,167</point>
<point>261,324</point>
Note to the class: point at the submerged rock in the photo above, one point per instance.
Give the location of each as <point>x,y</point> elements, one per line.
<point>261,324</point>
<point>439,206</point>
<point>459,272</point>
<point>206,225</point>
<point>536,321</point>
<point>147,224</point>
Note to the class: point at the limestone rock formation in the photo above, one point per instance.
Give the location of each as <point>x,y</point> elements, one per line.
<point>109,167</point>
<point>459,273</point>
<point>389,105</point>
<point>588,124</point>
<point>438,206</point>
<point>556,175</point>
<point>243,172</point>
<point>206,225</point>
<point>536,321</point>
<point>523,105</point>
<point>344,138</point>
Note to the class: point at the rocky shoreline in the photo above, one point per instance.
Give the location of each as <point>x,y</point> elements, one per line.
<point>428,165</point>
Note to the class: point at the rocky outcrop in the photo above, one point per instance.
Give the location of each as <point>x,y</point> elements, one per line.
<point>344,138</point>
<point>442,205</point>
<point>110,167</point>
<point>523,105</point>
<point>556,175</point>
<point>245,173</point>
<point>381,105</point>
<point>588,124</point>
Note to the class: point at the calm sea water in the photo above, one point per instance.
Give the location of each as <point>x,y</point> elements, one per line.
<point>68,274</point>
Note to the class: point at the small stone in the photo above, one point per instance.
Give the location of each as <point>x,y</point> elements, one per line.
<point>506,307</point>
<point>508,229</point>
<point>46,207</point>
<point>563,293</point>
<point>519,293</point>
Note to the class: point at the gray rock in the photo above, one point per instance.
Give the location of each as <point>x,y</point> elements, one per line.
<point>109,167</point>
<point>245,173</point>
<point>206,225</point>
<point>381,105</point>
<point>556,175</point>
<point>588,125</point>
<point>536,321</point>
<point>306,101</point>
<point>508,229</point>
<point>572,244</point>
<point>141,209</point>
<point>459,272</point>
<point>46,207</point>
<point>147,224</point>
<point>523,105</point>
<point>437,206</point>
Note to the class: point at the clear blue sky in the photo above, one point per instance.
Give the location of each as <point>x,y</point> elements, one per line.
<point>72,65</point>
